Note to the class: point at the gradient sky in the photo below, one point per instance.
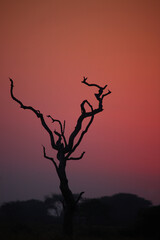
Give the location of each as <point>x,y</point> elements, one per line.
<point>47,46</point>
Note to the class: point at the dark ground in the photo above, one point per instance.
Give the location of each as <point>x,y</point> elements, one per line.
<point>120,217</point>
<point>52,232</point>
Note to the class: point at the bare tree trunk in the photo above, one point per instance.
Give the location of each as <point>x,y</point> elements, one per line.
<point>69,207</point>
<point>69,210</point>
<point>69,204</point>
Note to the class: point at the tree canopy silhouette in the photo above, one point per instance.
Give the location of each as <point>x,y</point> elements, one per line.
<point>65,148</point>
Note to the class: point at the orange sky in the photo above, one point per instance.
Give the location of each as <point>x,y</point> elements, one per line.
<point>47,47</point>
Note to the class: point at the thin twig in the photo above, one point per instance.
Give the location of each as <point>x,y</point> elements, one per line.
<point>77,158</point>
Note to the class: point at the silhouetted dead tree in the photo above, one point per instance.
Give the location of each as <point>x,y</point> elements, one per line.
<point>65,148</point>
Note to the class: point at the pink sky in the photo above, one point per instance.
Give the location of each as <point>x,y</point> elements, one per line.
<point>47,47</point>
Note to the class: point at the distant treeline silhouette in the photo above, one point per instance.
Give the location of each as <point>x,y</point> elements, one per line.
<point>120,210</point>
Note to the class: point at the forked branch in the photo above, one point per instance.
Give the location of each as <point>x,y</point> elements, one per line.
<point>62,128</point>
<point>84,114</point>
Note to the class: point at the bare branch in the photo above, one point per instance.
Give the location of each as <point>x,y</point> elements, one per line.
<point>92,84</point>
<point>81,136</point>
<point>50,158</point>
<point>79,126</point>
<point>84,114</point>
<point>38,114</point>
<point>83,133</point>
<point>62,128</point>
<point>98,95</point>
<point>79,197</point>
<point>106,94</point>
<point>55,120</point>
<point>64,125</point>
<point>83,108</point>
<point>86,129</point>
<point>77,158</point>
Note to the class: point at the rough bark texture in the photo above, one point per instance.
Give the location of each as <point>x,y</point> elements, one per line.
<point>66,148</point>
